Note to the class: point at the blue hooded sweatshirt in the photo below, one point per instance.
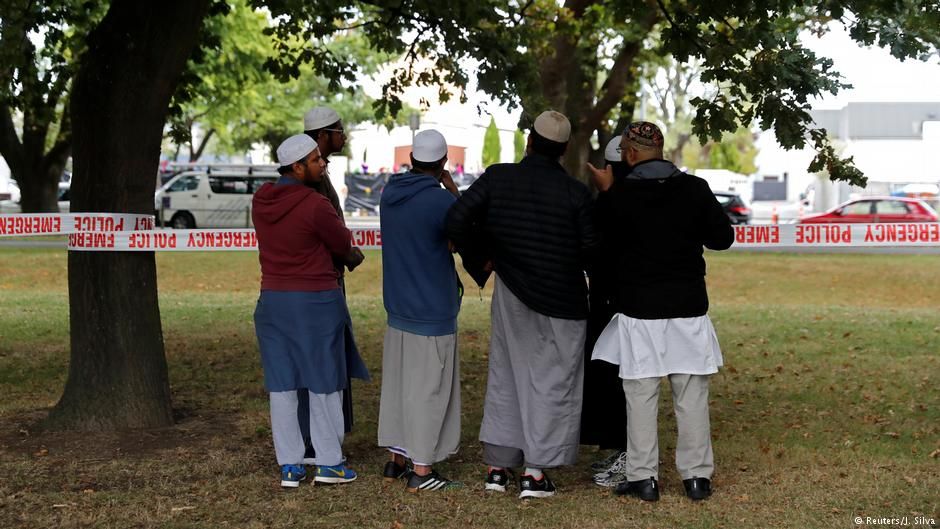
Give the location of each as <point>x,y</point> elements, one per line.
<point>420,286</point>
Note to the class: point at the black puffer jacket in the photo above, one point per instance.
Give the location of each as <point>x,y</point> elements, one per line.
<point>535,223</point>
<point>654,224</point>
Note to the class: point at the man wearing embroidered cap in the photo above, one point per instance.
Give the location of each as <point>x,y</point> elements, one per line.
<point>539,239</point>
<point>325,127</point>
<point>661,326</point>
<point>419,414</point>
<point>303,327</point>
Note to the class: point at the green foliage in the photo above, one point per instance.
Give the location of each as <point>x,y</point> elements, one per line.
<point>752,53</point>
<point>40,47</point>
<point>491,146</point>
<point>518,142</point>
<point>736,152</point>
<point>229,92</point>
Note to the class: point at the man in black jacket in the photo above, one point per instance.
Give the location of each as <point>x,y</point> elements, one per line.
<point>533,223</point>
<point>655,223</point>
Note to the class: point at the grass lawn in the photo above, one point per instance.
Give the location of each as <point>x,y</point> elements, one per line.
<point>827,408</point>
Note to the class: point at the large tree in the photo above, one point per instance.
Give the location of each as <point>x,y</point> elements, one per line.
<point>40,45</point>
<point>118,372</point>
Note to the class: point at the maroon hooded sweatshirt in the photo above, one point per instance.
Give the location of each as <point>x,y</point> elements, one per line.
<point>298,233</point>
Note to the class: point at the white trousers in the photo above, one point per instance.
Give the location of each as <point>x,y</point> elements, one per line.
<point>326,427</point>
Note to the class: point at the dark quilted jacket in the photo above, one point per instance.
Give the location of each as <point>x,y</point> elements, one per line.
<point>534,222</point>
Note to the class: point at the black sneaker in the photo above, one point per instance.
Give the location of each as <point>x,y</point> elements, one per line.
<point>393,471</point>
<point>498,479</point>
<point>645,489</point>
<point>432,481</point>
<point>536,488</point>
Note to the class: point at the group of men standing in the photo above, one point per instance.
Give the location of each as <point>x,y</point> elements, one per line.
<point>609,278</point>
<point>540,231</point>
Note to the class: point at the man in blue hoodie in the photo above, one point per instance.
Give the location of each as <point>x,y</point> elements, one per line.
<point>419,414</point>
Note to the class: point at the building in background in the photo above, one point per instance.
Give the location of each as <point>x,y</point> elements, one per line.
<point>895,144</point>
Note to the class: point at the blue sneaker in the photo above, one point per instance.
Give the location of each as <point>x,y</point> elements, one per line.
<point>335,474</point>
<point>292,475</point>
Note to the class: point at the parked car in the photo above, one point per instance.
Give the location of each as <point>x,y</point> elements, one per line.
<point>206,199</point>
<point>870,210</point>
<point>735,207</point>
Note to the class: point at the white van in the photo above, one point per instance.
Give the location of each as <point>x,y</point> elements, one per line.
<point>209,198</point>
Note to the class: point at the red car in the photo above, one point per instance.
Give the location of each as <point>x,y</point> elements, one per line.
<point>870,210</point>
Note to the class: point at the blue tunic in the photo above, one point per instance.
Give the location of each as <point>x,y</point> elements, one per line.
<point>306,341</point>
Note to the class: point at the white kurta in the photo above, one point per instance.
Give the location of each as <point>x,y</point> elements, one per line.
<point>658,348</point>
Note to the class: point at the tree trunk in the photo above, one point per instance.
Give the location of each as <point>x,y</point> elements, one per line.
<point>118,372</point>
<point>39,185</point>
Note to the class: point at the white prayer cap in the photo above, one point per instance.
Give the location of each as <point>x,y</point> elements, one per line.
<point>553,126</point>
<point>612,151</point>
<point>320,117</point>
<point>294,149</point>
<point>429,146</point>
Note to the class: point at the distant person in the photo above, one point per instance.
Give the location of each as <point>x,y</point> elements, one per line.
<point>419,414</point>
<point>604,416</point>
<point>303,327</point>
<point>539,237</point>
<point>661,327</point>
<point>324,125</point>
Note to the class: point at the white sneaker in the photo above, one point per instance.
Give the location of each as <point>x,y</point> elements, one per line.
<point>603,464</point>
<point>615,474</point>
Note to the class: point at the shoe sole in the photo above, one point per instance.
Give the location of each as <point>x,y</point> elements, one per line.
<point>333,481</point>
<point>535,494</point>
<point>494,487</point>
<point>290,484</point>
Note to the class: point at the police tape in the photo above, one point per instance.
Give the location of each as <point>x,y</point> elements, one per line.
<point>367,238</point>
<point>31,224</point>
<point>130,232</point>
<point>786,236</point>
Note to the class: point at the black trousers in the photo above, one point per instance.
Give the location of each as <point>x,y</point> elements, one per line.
<point>604,409</point>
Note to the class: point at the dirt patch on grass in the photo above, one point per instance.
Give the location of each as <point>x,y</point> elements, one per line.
<point>23,436</point>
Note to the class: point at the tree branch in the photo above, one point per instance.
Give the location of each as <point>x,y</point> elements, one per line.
<point>10,146</point>
<point>615,85</point>
<point>202,145</point>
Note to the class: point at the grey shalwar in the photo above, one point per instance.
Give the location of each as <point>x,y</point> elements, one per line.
<point>419,414</point>
<point>532,410</point>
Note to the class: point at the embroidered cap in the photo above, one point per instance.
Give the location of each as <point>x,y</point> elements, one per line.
<point>645,133</point>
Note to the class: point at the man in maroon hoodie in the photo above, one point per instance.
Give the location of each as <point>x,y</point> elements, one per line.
<point>303,327</point>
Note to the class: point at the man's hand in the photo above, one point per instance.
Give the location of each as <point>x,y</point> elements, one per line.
<point>354,258</point>
<point>602,178</point>
<point>448,183</point>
